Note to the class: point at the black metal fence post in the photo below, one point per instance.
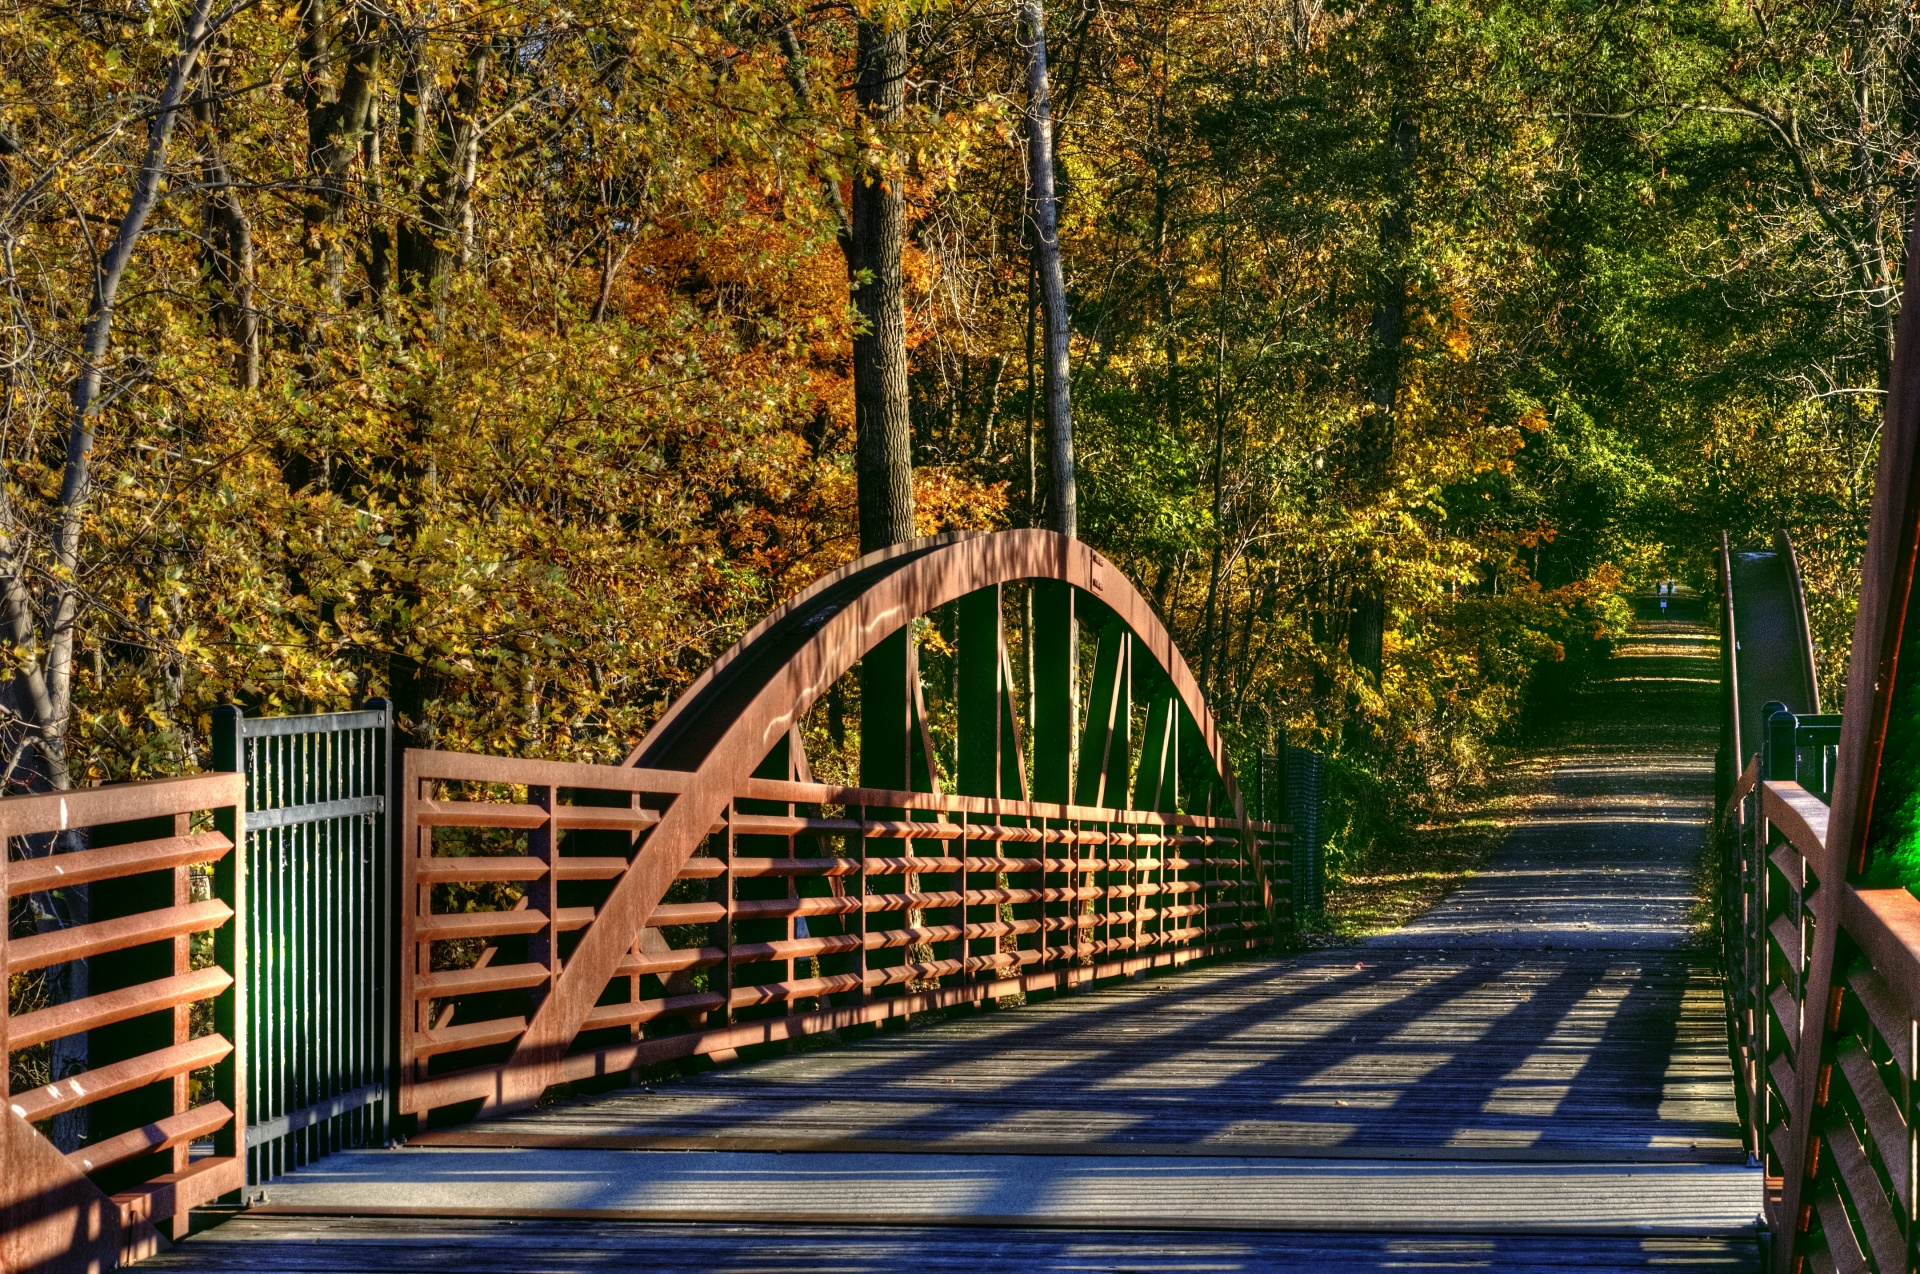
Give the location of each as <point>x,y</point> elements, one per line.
<point>1305,795</point>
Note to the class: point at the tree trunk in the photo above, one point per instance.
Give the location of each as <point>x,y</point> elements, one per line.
<point>229,267</point>
<point>1053,287</point>
<point>227,254</point>
<point>1374,459</point>
<point>1388,328</point>
<point>1220,406</point>
<point>438,237</point>
<point>612,256</point>
<point>794,59</point>
<point>414,256</point>
<point>1033,402</point>
<point>883,461</point>
<point>377,258</point>
<point>1163,257</point>
<point>338,115</point>
<point>48,679</point>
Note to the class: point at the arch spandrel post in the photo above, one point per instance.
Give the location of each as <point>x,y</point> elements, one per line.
<point>989,758</point>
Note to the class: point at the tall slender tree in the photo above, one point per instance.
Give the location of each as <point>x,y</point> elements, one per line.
<point>1386,330</point>
<point>1045,214</point>
<point>883,460</point>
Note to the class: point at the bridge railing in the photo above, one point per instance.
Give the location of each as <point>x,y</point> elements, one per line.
<point>808,908</point>
<point>140,1055</point>
<point>1858,1209</point>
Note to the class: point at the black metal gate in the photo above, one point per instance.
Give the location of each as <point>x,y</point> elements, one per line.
<point>319,930</point>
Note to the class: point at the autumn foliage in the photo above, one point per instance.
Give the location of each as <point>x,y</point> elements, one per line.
<point>497,358</point>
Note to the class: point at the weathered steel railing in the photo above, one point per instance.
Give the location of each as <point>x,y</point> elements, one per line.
<point>570,921</point>
<point>1859,1197</point>
<point>1760,887</point>
<point>1821,926</point>
<point>558,922</point>
<point>320,931</point>
<point>143,868</point>
<point>808,908</point>
<point>1849,1128</point>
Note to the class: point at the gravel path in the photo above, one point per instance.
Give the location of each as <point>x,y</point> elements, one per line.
<point>1605,858</point>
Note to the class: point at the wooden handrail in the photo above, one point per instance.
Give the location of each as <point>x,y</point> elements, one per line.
<point>1777,961</point>
<point>1886,925</point>
<point>1799,814</point>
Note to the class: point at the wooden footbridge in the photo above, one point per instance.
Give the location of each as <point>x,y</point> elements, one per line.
<point>714,1009</point>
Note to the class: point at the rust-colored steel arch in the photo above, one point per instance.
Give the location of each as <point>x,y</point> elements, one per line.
<point>744,704</point>
<point>728,721</point>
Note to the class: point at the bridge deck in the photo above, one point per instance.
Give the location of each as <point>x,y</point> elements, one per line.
<point>1409,1054</point>
<point>1533,1075</point>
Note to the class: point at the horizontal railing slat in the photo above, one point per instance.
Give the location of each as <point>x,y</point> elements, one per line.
<point>1745,784</point>
<point>83,866</point>
<point>1786,936</point>
<point>313,723</point>
<point>479,869</point>
<point>80,941</point>
<point>1889,1016</point>
<point>1884,1239</point>
<point>1790,862</point>
<point>119,803</point>
<point>162,1134</point>
<point>481,814</point>
<point>453,1039</point>
<point>488,978</point>
<point>1786,1011</point>
<point>583,867</point>
<point>825,794</point>
<point>1886,924</point>
<point>472,768</point>
<point>109,1007</point>
<point>268,1130</point>
<point>1799,814</point>
<point>1842,1245</point>
<point>1882,1115</point>
<point>121,1077</point>
<point>1780,1070</point>
<point>478,924</point>
<point>600,818</point>
<point>319,812</point>
<point>177,1193</point>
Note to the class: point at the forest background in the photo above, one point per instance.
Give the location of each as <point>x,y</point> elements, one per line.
<point>500,357</point>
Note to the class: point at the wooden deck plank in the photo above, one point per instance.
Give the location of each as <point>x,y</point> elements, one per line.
<point>297,1245</point>
<point>1086,1193</point>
